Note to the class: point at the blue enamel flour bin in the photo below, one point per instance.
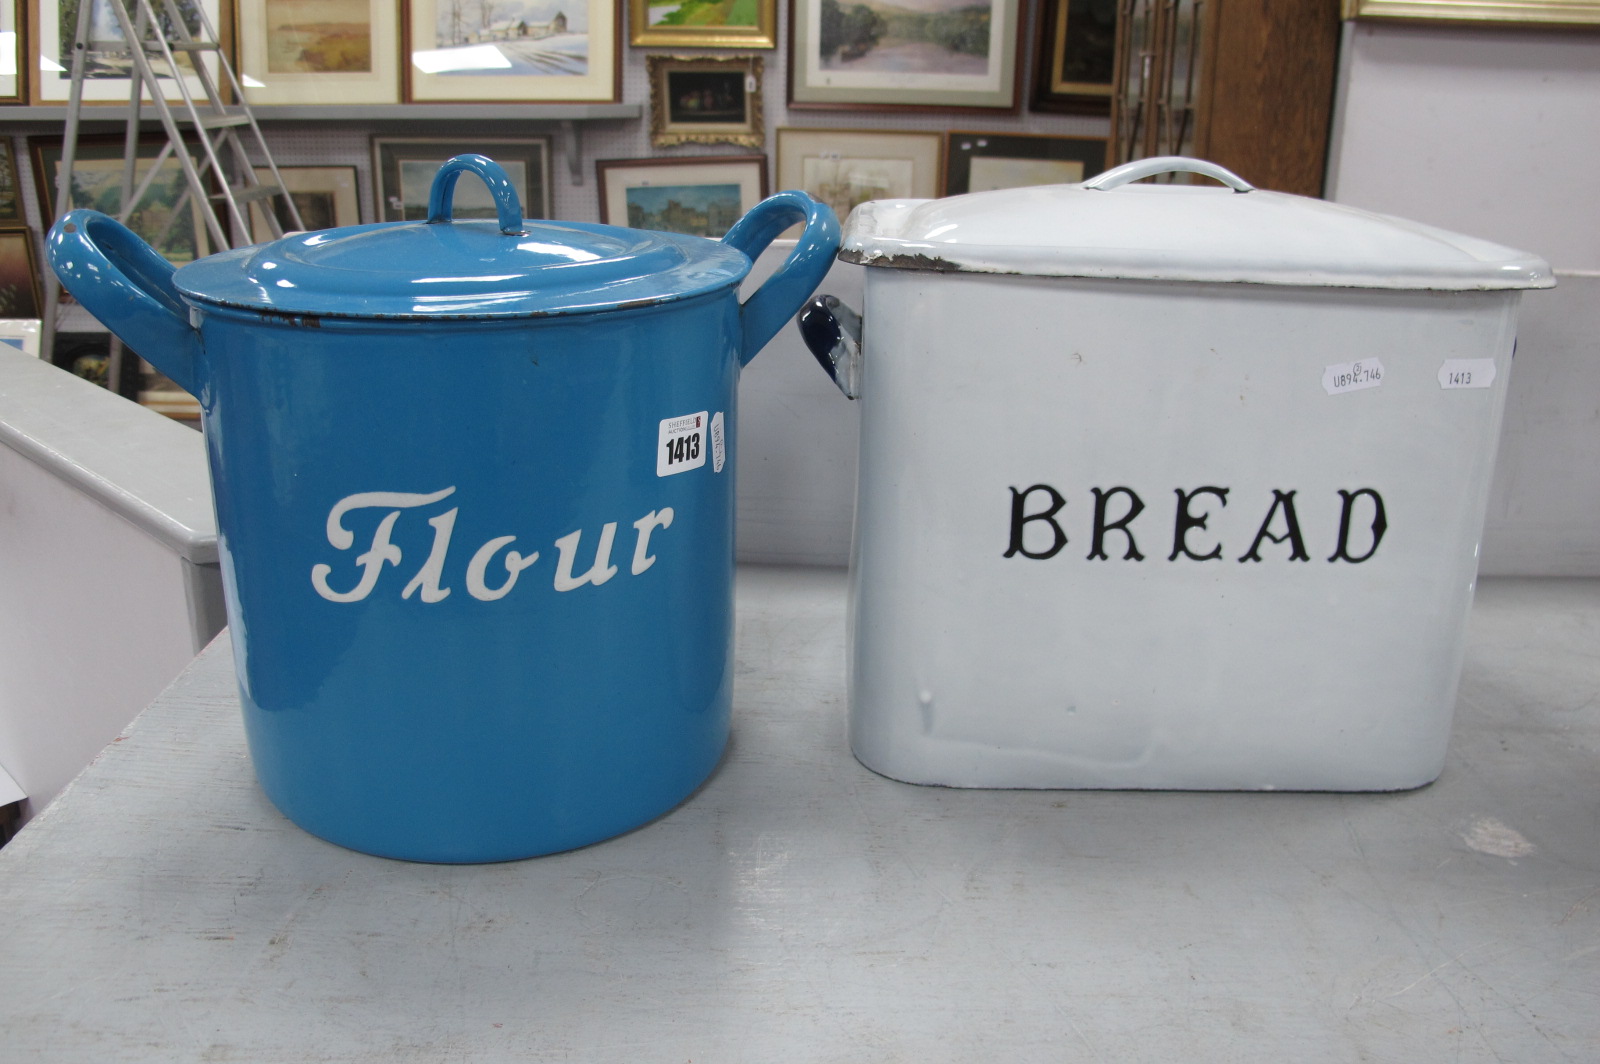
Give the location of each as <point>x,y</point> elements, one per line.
<point>474,491</point>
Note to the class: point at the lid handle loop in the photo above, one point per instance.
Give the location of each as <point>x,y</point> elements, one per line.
<point>1166,164</point>
<point>442,196</point>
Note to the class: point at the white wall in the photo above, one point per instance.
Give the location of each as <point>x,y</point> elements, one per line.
<point>1496,133</point>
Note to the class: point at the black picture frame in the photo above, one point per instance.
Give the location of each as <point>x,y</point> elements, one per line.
<point>1056,159</point>
<point>403,169</point>
<point>1075,57</point>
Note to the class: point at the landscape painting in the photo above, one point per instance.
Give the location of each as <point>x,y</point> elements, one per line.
<point>513,50</point>
<point>905,53</point>
<point>697,210</point>
<point>106,75</point>
<point>479,38</point>
<point>704,23</point>
<point>319,51</point>
<point>700,195</point>
<point>166,217</point>
<point>404,169</point>
<point>905,36</point>
<point>717,13</point>
<point>318,36</point>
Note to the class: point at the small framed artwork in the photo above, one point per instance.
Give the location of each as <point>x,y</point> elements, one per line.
<point>324,196</point>
<point>20,334</point>
<point>980,162</point>
<point>319,51</point>
<point>917,54</point>
<point>703,23</point>
<point>844,168</point>
<point>701,195</point>
<point>1077,51</point>
<point>166,217</point>
<point>404,169</point>
<point>706,101</point>
<point>11,54</point>
<point>10,191</point>
<point>20,296</point>
<point>476,51</point>
<point>106,78</point>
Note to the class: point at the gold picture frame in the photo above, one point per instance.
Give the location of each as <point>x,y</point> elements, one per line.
<point>1500,12</point>
<point>706,100</point>
<point>703,23</point>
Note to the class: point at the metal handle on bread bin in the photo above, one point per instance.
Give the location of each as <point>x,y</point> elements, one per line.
<point>1166,164</point>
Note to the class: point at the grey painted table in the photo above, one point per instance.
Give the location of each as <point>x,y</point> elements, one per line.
<point>801,908</point>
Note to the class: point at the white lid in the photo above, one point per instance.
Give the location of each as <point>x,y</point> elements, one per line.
<point>1178,233</point>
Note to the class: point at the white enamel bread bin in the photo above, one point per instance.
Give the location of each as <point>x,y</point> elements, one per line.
<point>1165,486</point>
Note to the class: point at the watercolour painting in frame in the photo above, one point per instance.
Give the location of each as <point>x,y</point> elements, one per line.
<point>324,196</point>
<point>699,195</point>
<point>944,55</point>
<point>319,51</point>
<point>404,168</point>
<point>982,162</point>
<point>706,100</point>
<point>106,77</point>
<point>538,51</point>
<point>166,218</point>
<point>703,23</point>
<point>846,167</point>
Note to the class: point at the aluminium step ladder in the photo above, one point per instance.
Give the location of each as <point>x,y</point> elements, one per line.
<point>203,133</point>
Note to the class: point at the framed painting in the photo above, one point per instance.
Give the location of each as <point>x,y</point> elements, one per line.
<point>20,295</point>
<point>703,23</point>
<point>324,196</point>
<point>12,89</point>
<point>701,195</point>
<point>980,162</point>
<point>10,190</point>
<point>319,51</point>
<point>403,170</point>
<point>166,218</point>
<point>947,55</point>
<point>847,167</point>
<point>20,334</point>
<point>706,101</point>
<point>1077,51</point>
<point>106,77</point>
<point>538,51</point>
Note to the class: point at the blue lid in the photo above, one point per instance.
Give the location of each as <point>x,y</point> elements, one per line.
<point>443,268</point>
